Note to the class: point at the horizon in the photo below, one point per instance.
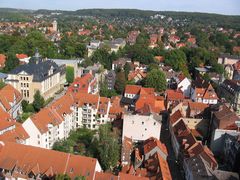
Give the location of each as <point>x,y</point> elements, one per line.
<point>222,7</point>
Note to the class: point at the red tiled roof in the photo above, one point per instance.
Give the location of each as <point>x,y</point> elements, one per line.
<point>131,177</point>
<point>21,56</point>
<point>2,60</point>
<point>15,135</point>
<point>132,89</point>
<point>105,176</point>
<point>43,161</point>
<point>4,116</point>
<point>175,116</point>
<point>81,84</point>
<point>174,95</point>
<point>7,95</point>
<point>151,143</point>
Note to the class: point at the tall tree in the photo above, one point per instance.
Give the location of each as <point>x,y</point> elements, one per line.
<point>156,79</point>
<point>38,102</point>
<point>69,74</point>
<point>109,149</point>
<point>120,82</point>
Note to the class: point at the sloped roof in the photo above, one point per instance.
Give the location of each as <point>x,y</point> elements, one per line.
<point>38,70</point>
<point>132,89</point>
<point>7,96</point>
<point>44,161</point>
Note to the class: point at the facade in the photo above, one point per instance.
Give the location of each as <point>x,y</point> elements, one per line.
<point>230,90</point>
<point>231,151</point>
<point>110,79</point>
<point>71,111</point>
<point>205,95</point>
<point>223,121</point>
<point>119,63</point>
<point>38,74</point>
<point>226,59</point>
<point>10,101</point>
<point>85,84</point>
<point>144,127</point>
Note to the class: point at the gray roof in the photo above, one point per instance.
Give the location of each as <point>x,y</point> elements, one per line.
<point>3,76</point>
<point>38,68</point>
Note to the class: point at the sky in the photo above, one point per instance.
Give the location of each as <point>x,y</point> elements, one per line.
<point>229,7</point>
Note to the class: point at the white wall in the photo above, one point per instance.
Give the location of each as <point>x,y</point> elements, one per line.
<point>33,132</point>
<point>140,128</point>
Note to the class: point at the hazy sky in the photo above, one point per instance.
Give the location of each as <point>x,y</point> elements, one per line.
<point>211,6</point>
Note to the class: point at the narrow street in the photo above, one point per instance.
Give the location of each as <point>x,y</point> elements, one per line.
<point>166,139</point>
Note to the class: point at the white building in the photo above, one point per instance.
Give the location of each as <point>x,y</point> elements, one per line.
<point>67,113</point>
<point>185,86</point>
<point>10,101</point>
<point>140,127</point>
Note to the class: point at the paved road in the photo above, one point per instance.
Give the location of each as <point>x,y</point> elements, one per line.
<point>166,139</point>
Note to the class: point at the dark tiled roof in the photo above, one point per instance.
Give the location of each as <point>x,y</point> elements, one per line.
<point>38,68</point>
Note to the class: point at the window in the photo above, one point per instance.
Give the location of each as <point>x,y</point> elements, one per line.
<point>38,142</point>
<point>142,123</point>
<point>154,123</point>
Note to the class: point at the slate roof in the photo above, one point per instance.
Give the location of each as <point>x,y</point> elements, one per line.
<point>38,68</point>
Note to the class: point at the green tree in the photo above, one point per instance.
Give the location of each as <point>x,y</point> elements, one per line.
<point>102,56</point>
<point>156,79</point>
<point>38,102</point>
<point>11,62</point>
<point>120,82</point>
<point>69,74</point>
<point>62,177</point>
<point>80,178</point>
<point>127,69</point>
<point>24,105</point>
<point>2,84</point>
<point>109,149</point>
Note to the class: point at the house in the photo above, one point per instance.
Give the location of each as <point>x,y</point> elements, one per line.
<point>231,152</point>
<point>173,97</point>
<point>36,163</point>
<point>136,76</point>
<point>38,74</point>
<point>91,110</point>
<point>196,109</point>
<point>2,61</point>
<point>144,127</point>
<point>148,159</point>
<point>132,91</point>
<point>227,59</point>
<point>93,46</point>
<point>223,121</point>
<point>23,58</point>
<point>119,63</point>
<point>153,40</point>
<point>191,40</point>
<point>149,103</point>
<point>10,101</point>
<point>126,151</point>
<point>174,39</point>
<point>187,149</point>
<point>182,83</point>
<point>51,123</point>
<point>85,84</point>
<point>110,79</point>
<point>230,90</point>
<point>205,95</point>
<point>115,111</point>
<point>132,37</point>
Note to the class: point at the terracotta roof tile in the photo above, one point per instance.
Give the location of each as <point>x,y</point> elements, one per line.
<point>7,95</point>
<point>41,161</point>
<point>132,89</point>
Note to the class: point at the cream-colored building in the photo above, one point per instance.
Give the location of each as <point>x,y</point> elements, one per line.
<point>38,74</point>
